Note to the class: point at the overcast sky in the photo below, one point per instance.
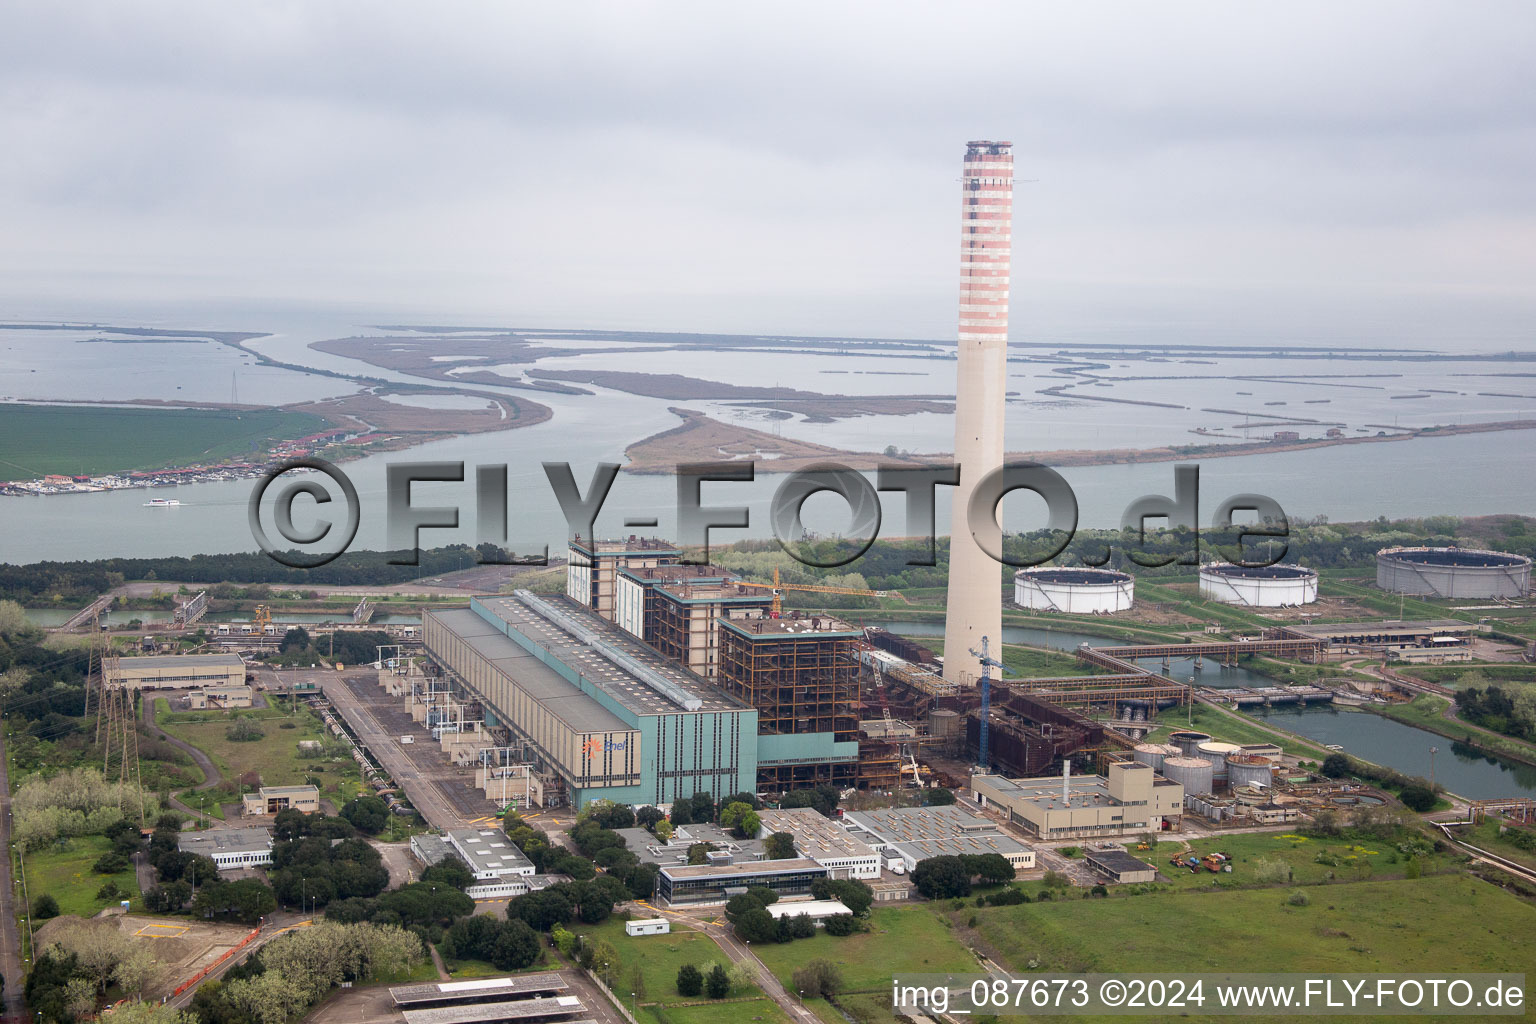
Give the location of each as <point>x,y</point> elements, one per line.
<point>1347,172</point>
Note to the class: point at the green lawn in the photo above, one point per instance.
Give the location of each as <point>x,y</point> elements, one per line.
<point>1440,923</point>
<point>912,939</point>
<point>66,873</point>
<point>36,440</point>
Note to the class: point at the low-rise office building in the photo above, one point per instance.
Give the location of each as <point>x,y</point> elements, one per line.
<point>674,850</point>
<point>500,868</point>
<point>712,884</point>
<point>817,910</point>
<point>230,848</point>
<point>271,799</point>
<point>1133,798</point>
<point>220,697</point>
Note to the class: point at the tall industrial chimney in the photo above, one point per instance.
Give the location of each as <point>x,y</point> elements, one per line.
<point>975,607</point>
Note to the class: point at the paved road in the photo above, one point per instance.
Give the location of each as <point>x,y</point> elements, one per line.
<point>423,792</point>
<point>10,934</point>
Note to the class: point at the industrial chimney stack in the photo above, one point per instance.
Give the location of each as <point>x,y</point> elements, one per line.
<point>975,607</point>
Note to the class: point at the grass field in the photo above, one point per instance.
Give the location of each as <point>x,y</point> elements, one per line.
<point>66,874</point>
<point>275,757</point>
<point>36,440</point>
<point>913,939</point>
<point>1445,923</point>
<point>1358,858</point>
<point>659,957</point>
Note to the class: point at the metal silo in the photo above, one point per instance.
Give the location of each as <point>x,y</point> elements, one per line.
<point>1250,770</point>
<point>1154,753</point>
<point>944,723</point>
<point>1193,773</point>
<point>1217,752</point>
<point>1189,742</point>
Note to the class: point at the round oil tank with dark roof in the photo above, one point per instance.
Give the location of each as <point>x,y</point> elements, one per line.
<point>1189,742</point>
<point>1453,572</point>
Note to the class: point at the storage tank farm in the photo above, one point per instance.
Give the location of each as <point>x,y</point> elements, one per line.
<point>1074,591</point>
<point>1453,573</point>
<point>1269,586</point>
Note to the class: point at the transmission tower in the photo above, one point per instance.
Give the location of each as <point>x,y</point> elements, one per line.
<point>117,727</point>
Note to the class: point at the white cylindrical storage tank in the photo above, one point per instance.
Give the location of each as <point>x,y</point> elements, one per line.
<point>1217,753</point>
<point>1189,742</point>
<point>1193,773</point>
<point>1250,770</point>
<point>1154,753</point>
<point>1074,591</point>
<point>1453,572</point>
<point>1269,586</point>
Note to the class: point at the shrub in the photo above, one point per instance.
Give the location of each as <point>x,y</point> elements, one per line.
<point>846,924</point>
<point>818,978</point>
<point>110,863</point>
<point>44,907</point>
<point>689,981</point>
<point>244,731</point>
<point>1418,798</point>
<point>718,985</point>
<point>1297,898</point>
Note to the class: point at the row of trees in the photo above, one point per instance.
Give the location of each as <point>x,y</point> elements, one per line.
<point>1508,707</point>
<point>947,877</point>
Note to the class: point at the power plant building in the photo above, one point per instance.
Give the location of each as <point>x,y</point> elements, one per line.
<point>685,617</point>
<point>975,602</point>
<point>592,567</point>
<point>598,708</point>
<point>1453,573</point>
<point>1133,798</point>
<point>1074,591</point>
<point>634,593</point>
<point>174,671</point>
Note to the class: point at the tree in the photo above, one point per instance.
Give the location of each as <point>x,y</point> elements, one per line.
<point>662,830</point>
<point>1418,798</point>
<point>938,797</point>
<point>295,638</point>
<point>45,907</point>
<point>841,924</point>
<point>756,925</point>
<point>718,985</point>
<point>516,947</point>
<point>941,878</point>
<point>367,814</point>
<point>994,869</point>
<point>818,978</point>
<point>779,846</point>
<point>698,852</point>
<point>647,817</point>
<point>1336,766</point>
<point>450,871</point>
<point>110,863</point>
<point>610,815</point>
<point>689,981</point>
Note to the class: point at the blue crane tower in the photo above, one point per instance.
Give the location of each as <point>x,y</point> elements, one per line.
<point>983,760</point>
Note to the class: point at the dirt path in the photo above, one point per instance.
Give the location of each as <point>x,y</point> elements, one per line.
<point>211,774</point>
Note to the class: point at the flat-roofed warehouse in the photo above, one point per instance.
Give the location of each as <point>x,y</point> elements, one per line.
<point>609,715</point>
<point>824,841</point>
<point>915,834</point>
<point>1132,798</point>
<point>175,671</point>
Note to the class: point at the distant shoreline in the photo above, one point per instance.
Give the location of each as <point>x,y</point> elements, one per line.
<point>700,438</point>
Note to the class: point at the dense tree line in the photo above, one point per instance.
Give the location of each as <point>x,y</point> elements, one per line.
<point>508,945</point>
<point>1508,707</point>
<point>78,582</point>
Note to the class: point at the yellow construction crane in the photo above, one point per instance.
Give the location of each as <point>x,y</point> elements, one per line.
<point>778,589</point>
<point>261,618</point>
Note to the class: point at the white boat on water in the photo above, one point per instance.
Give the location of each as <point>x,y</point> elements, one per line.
<point>161,503</point>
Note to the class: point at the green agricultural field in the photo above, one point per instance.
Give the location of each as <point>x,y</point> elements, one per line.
<point>36,440</point>
<point>1444,923</point>
<point>912,939</point>
<point>659,957</point>
<point>65,872</point>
